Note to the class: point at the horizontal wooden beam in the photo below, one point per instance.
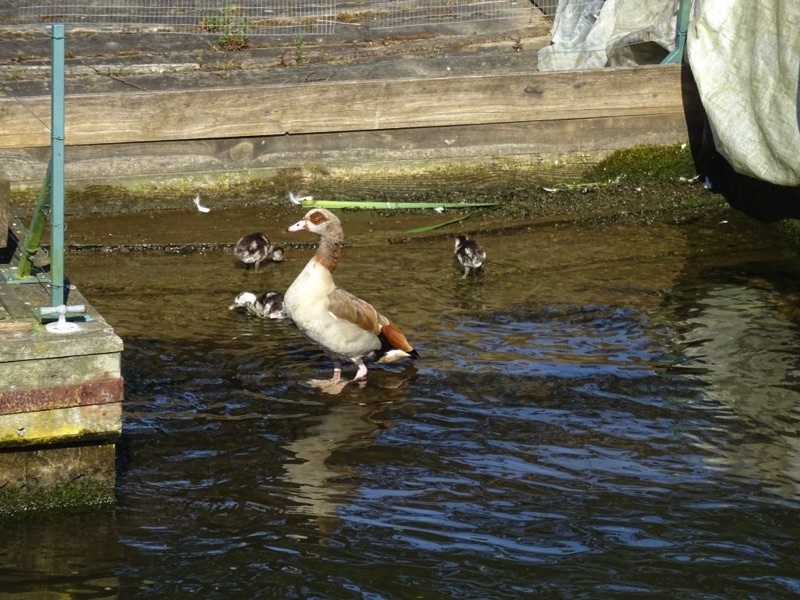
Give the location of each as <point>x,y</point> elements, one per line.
<point>191,114</point>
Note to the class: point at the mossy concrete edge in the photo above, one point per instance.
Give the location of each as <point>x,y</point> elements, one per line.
<point>495,179</point>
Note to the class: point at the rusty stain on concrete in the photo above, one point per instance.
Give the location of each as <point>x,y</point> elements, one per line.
<point>63,396</point>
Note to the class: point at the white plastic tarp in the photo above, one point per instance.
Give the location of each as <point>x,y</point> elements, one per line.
<point>745,58</point>
<point>589,34</point>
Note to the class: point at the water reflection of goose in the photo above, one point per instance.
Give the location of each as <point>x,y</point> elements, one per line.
<point>323,487</point>
<point>346,326</point>
<point>267,305</point>
<point>469,254</point>
<point>255,248</point>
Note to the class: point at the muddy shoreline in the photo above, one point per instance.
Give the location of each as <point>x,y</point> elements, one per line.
<point>644,184</point>
<point>188,231</point>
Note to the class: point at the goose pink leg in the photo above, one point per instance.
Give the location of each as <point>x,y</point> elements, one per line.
<point>361,375</point>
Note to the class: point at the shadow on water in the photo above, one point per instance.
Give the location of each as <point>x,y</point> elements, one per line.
<point>607,410</point>
<point>740,339</point>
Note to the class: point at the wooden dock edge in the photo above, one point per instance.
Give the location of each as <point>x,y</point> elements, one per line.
<point>196,134</point>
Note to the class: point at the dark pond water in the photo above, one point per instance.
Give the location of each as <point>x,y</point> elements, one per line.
<point>610,411</point>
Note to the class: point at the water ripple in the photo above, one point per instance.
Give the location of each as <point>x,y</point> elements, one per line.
<point>568,432</point>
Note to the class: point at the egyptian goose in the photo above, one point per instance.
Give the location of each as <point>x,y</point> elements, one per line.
<point>268,305</point>
<point>254,248</point>
<point>469,254</point>
<point>345,326</point>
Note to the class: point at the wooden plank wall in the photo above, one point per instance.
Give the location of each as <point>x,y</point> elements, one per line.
<point>130,134</point>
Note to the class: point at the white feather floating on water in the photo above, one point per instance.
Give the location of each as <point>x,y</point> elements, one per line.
<point>199,206</point>
<point>297,200</point>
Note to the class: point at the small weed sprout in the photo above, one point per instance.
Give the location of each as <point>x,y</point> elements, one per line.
<point>299,50</point>
<point>231,28</point>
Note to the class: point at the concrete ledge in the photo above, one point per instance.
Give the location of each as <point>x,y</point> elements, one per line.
<point>23,377</point>
<point>56,478</point>
<point>61,425</point>
<point>56,388</point>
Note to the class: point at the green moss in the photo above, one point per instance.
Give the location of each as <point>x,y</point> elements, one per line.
<point>648,162</point>
<point>493,179</point>
<point>68,497</point>
<point>790,229</point>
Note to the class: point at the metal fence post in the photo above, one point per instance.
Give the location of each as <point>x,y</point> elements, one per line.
<point>51,196</point>
<point>57,158</point>
<point>681,28</point>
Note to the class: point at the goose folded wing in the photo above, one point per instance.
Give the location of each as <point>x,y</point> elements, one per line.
<point>344,305</point>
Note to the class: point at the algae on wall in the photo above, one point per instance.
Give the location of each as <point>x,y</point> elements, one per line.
<point>57,478</point>
<point>521,186</point>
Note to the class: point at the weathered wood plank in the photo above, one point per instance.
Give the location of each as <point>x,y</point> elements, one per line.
<point>266,156</point>
<point>350,106</point>
<point>376,150</point>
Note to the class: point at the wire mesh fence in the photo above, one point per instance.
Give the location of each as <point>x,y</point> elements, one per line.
<point>219,17</point>
<point>261,17</point>
<point>548,7</point>
<point>405,13</point>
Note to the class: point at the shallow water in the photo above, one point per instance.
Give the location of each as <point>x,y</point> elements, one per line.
<point>609,411</point>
